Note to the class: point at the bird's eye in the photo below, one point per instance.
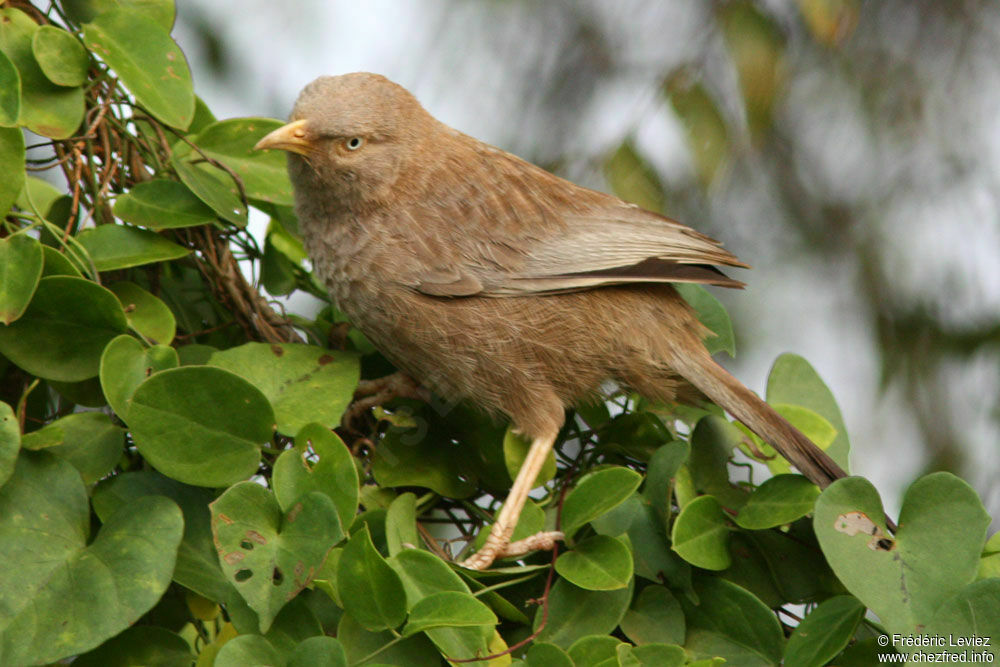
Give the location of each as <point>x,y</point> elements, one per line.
<point>354,143</point>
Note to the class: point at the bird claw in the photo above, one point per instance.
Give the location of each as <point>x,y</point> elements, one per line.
<point>542,541</point>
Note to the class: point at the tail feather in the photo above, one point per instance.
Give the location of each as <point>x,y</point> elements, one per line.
<point>730,394</point>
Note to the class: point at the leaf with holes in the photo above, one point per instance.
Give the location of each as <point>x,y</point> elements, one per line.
<point>320,462</point>
<point>901,579</point>
<point>269,556</point>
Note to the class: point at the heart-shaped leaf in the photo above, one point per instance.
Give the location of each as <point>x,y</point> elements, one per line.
<point>269,556</point>
<point>901,579</point>
<point>62,594</point>
<point>126,364</point>
<point>320,462</point>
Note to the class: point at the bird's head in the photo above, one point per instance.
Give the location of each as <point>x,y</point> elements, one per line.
<point>349,137</point>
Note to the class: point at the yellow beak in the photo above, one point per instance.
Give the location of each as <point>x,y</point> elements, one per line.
<point>290,137</point>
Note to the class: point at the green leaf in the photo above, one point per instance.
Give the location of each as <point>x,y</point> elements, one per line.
<point>247,650</point>
<point>663,466</point>
<point>401,524</point>
<point>320,462</point>
<point>595,650</point>
<point>12,166</point>
<point>423,575</point>
<point>636,434</point>
<point>146,313</point>
<point>64,330</point>
<point>197,559</point>
<point>713,315</point>
<point>162,204</point>
<point>598,563</point>
<point>448,609</point>
<point>655,617</point>
<point>731,623</point>
<point>706,131</point>
<point>968,617</point>
<point>545,654</point>
<point>575,612</point>
<point>701,534</point>
<point>712,443</point>
<point>200,425</point>
<point>318,652</point>
<point>46,109</point>
<point>664,655</point>
<point>60,56</point>
<point>793,381</point>
<point>902,580</point>
<point>63,596</point>
<point>10,441</point>
<point>778,501</point>
<point>21,263</point>
<point>120,247</point>
<point>87,440</point>
<point>148,62</point>
<point>304,383</point>
<point>414,457</point>
<point>371,591</point>
<point>824,632</point>
<point>269,556</point>
<point>596,494</point>
<point>358,643</point>
<point>57,264</point>
<point>633,179</point>
<point>161,11</point>
<point>264,173</point>
<point>515,450</point>
<point>212,185</point>
<point>10,104</point>
<point>140,645</point>
<point>125,364</point>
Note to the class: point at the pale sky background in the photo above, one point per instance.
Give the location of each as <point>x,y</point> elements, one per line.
<point>450,57</point>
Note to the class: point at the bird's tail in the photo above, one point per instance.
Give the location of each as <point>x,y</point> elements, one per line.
<point>730,394</point>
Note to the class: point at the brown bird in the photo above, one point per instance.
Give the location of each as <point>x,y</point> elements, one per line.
<point>489,279</point>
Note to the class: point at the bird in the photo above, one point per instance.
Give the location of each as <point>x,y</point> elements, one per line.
<point>489,279</point>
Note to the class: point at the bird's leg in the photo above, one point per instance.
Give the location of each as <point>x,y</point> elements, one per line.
<point>370,393</point>
<point>498,544</point>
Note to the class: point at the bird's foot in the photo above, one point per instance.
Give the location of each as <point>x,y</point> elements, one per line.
<point>370,393</point>
<point>482,559</point>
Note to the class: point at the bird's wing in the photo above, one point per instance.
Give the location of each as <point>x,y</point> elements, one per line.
<point>531,232</point>
<point>612,245</point>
